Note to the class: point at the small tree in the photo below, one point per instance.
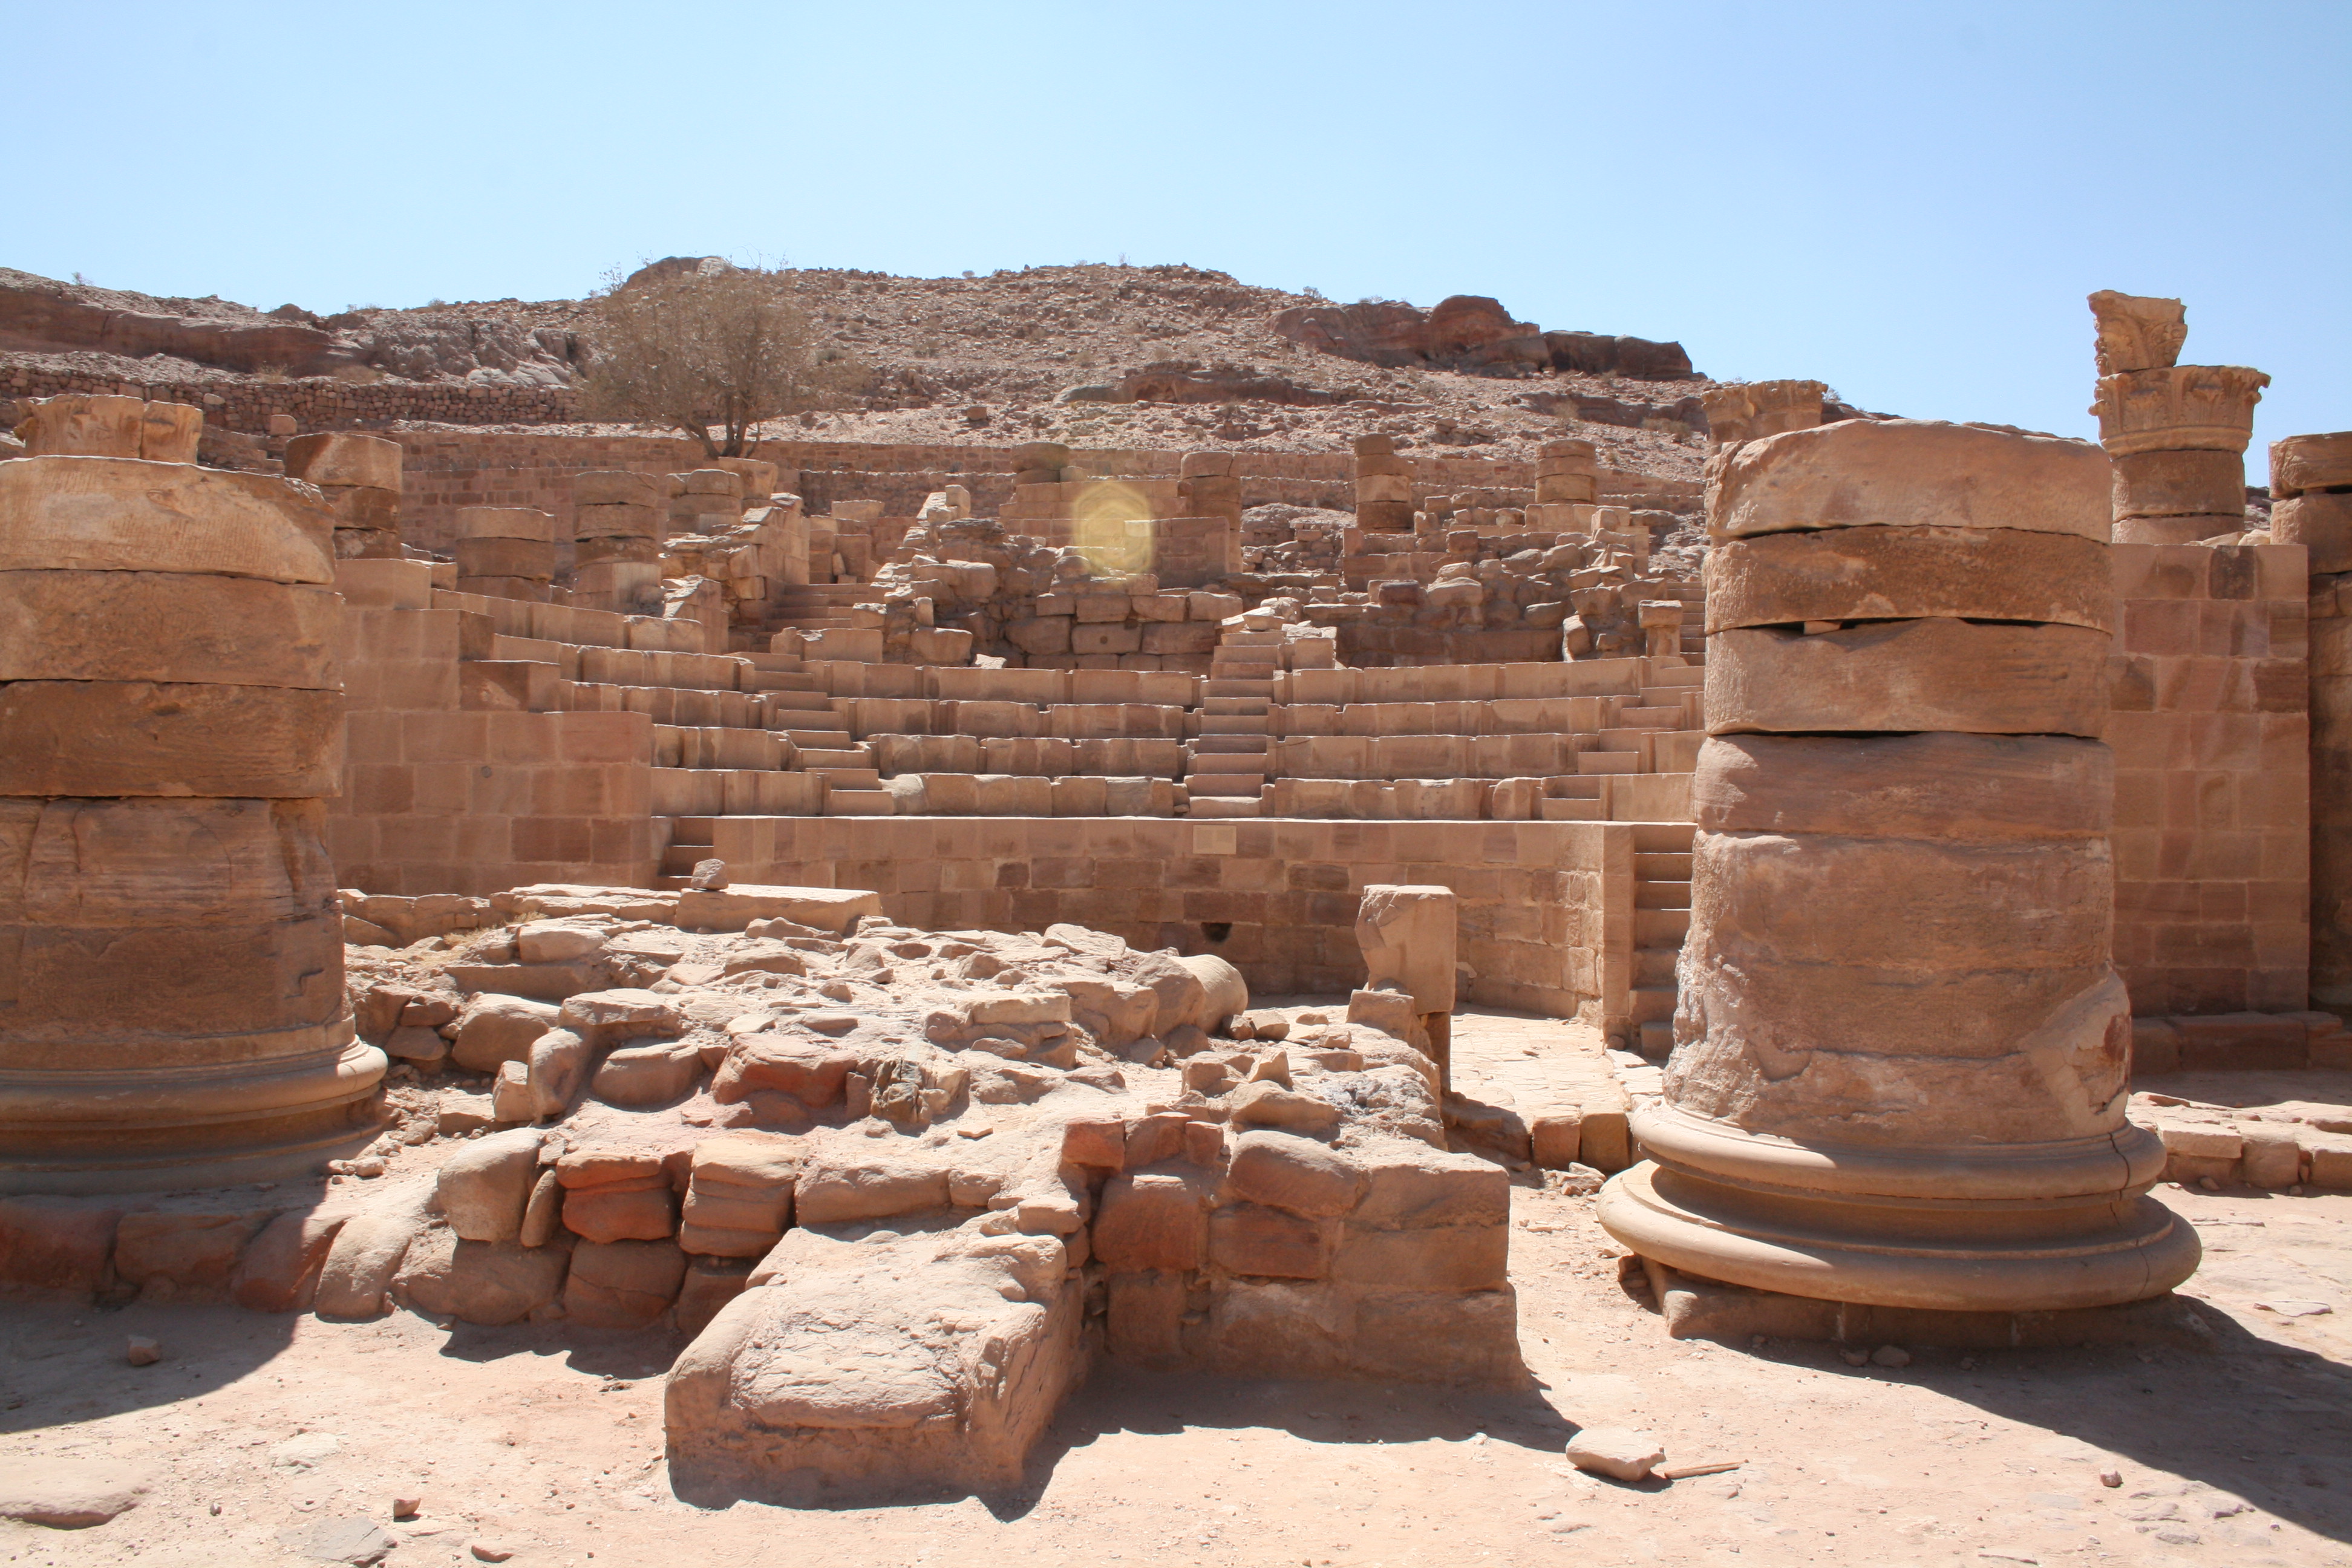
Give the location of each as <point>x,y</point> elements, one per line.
<point>725,346</point>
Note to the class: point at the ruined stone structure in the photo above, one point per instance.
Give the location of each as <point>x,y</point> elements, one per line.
<point>1901,1051</point>
<point>2177,433</point>
<point>816,899</point>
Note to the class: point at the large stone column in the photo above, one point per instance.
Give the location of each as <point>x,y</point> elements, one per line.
<point>2178,433</point>
<point>1901,1054</point>
<point>171,1008</point>
<point>2311,505</point>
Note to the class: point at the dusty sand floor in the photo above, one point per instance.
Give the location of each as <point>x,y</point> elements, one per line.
<point>551,1444</point>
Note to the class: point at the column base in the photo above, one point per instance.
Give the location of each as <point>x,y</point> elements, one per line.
<point>189,1126</point>
<point>1696,1309</point>
<point>1961,1228</point>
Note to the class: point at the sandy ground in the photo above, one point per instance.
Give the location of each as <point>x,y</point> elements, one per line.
<point>267,1433</point>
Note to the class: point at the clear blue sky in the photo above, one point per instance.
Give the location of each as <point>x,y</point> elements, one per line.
<point>1908,201</point>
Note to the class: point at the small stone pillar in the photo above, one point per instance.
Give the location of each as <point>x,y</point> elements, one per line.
<point>171,1008</point>
<point>1408,934</point>
<point>1209,487</point>
<point>360,476</point>
<point>1661,626</point>
<point>2311,505</point>
<point>1752,410</point>
<point>618,524</point>
<point>505,551</point>
<point>2178,433</point>
<point>1566,472</point>
<point>1383,487</point>
<point>1901,1051</point>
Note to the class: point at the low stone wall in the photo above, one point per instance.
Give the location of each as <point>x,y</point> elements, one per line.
<point>1277,899</point>
<point>317,402</point>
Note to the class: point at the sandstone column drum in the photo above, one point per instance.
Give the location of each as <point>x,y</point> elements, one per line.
<point>172,1007</point>
<point>1901,1054</point>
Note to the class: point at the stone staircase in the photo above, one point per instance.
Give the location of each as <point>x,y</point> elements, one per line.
<point>1662,883</point>
<point>1227,764</point>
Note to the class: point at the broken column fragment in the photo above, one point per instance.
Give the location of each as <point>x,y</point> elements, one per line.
<point>360,476</point>
<point>505,551</point>
<point>1408,935</point>
<point>1901,1054</point>
<point>1383,487</point>
<point>619,520</point>
<point>2178,433</point>
<point>172,1007</point>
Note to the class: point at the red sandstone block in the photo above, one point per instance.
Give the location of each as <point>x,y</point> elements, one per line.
<point>551,838</point>
<point>2283,743</point>
<point>454,736</point>
<point>379,790</point>
<point>2273,800</point>
<point>2279,902</point>
<point>481,840</point>
<point>567,792</point>
<point>2160,627</point>
<point>2194,685</point>
<point>372,736</point>
<point>604,737</point>
<point>524,739</point>
<point>415,839</point>
<point>966,875</point>
<point>2145,741</point>
<point>2274,991</point>
<point>2283,856</point>
<point>2290,630</point>
<point>2220,900</point>
<point>442,789</point>
<point>2200,800</point>
<point>499,791</point>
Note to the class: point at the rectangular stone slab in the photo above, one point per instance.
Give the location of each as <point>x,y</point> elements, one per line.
<point>1909,675</point>
<point>833,909</point>
<point>167,978</point>
<point>117,514</point>
<point>96,863</point>
<point>1903,574</point>
<point>2301,463</point>
<point>150,738</point>
<point>492,557</point>
<point>160,625</point>
<point>1974,789</point>
<point>505,523</point>
<point>2173,484</point>
<point>618,487</point>
<point>619,521</point>
<point>2321,523</point>
<point>130,862</point>
<point>336,457</point>
<point>364,506</point>
<point>1911,473</point>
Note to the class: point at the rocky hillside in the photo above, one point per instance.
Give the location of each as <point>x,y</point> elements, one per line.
<point>1096,355</point>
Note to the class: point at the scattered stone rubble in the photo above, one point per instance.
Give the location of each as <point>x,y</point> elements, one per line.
<point>897,1183</point>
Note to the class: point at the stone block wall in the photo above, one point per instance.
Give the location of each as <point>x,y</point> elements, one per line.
<point>1546,907</point>
<point>2210,733</point>
<point>444,797</point>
